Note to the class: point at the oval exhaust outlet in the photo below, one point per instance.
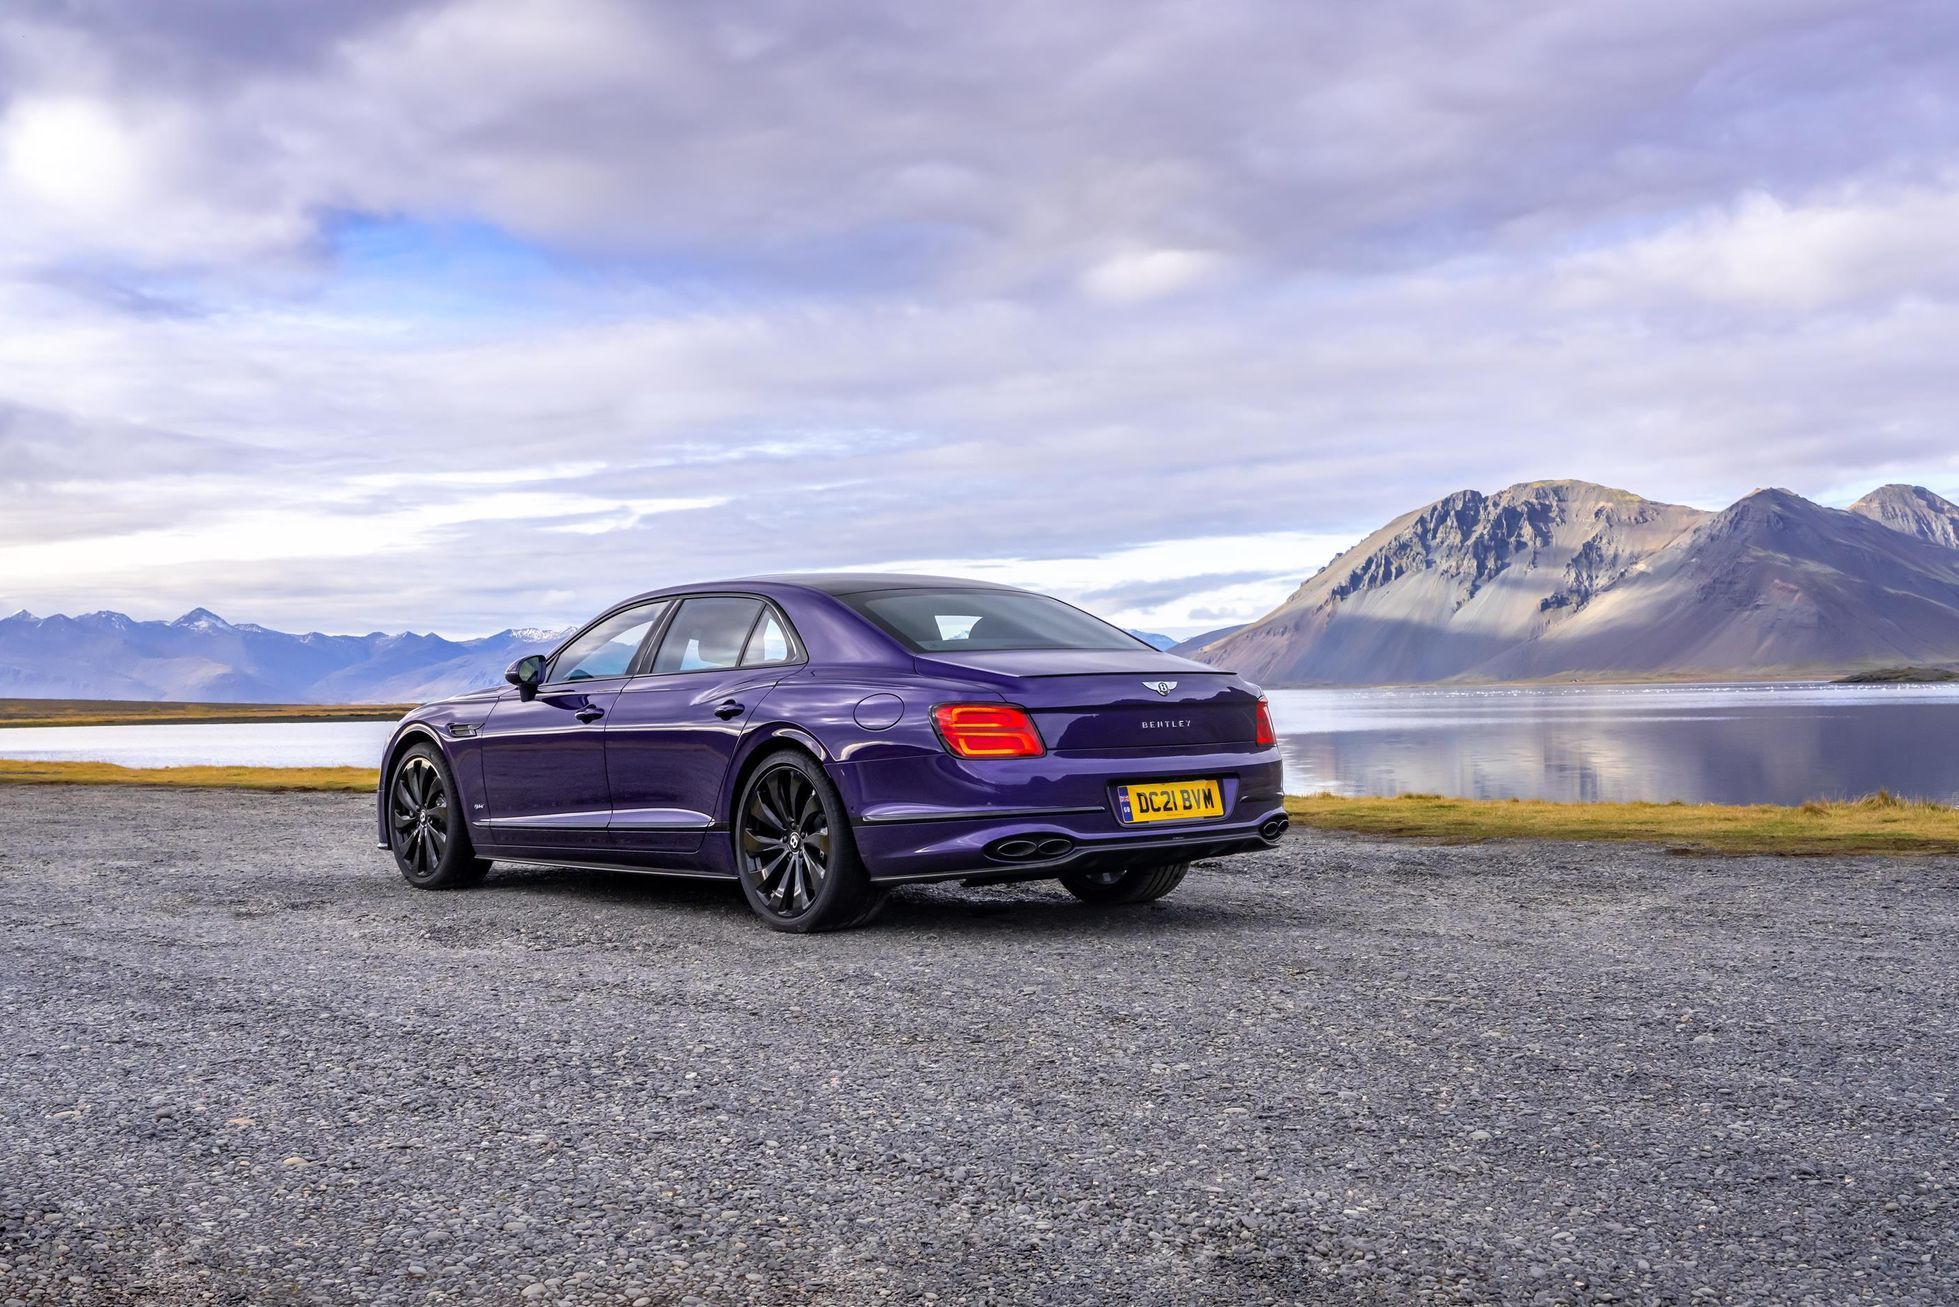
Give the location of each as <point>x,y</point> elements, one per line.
<point>1055,848</point>
<point>1015,849</point>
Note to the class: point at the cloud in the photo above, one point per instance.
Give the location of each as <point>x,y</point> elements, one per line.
<point>460,313</point>
<point>1829,252</point>
<point>1150,274</point>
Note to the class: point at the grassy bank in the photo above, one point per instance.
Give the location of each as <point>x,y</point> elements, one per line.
<point>1878,824</point>
<point>122,712</point>
<point>203,778</point>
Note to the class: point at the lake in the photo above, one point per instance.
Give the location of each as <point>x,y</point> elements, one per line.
<point>233,744</point>
<point>1784,743</point>
<point>1698,743</point>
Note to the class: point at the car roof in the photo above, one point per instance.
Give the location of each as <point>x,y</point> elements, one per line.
<point>845,583</point>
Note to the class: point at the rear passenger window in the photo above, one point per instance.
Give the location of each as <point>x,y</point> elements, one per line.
<point>707,634</point>
<point>769,644</point>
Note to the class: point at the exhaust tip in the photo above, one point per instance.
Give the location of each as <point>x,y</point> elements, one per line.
<point>1029,848</point>
<point>1275,827</point>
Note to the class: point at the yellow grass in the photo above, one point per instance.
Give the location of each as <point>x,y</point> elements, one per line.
<point>121,712</point>
<point>1881,823</point>
<point>234,778</point>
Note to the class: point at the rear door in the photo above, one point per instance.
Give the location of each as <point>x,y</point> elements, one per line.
<point>544,761</point>
<point>675,727</point>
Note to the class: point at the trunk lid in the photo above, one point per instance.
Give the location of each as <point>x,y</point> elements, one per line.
<point>1114,701</point>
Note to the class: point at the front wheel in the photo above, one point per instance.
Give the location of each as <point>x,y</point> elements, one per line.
<point>426,831</point>
<point>799,865</point>
<point>1136,885</point>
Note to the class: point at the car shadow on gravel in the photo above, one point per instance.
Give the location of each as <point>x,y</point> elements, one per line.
<point>975,912</point>
<point>949,908</point>
<point>621,888</point>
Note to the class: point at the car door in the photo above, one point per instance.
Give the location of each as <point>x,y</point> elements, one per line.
<point>544,769</point>
<point>673,730</point>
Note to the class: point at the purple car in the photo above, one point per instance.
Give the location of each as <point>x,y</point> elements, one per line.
<point>823,738</point>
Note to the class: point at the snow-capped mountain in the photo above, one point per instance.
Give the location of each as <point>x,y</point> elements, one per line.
<point>202,657</point>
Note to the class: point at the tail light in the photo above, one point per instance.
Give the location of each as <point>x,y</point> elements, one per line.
<point>1266,735</point>
<point>987,730</point>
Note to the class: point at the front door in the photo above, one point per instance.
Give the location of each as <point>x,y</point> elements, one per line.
<point>673,732</point>
<point>544,772</point>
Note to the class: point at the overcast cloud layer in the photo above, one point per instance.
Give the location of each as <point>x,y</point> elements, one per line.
<point>464,314</point>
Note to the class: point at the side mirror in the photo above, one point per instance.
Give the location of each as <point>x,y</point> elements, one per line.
<point>525,673</point>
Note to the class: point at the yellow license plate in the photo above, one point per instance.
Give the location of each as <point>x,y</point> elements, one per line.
<point>1169,801</point>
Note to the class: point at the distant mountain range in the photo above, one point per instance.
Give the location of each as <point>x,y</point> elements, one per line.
<point>202,657</point>
<point>1565,579</point>
<point>1547,580</point>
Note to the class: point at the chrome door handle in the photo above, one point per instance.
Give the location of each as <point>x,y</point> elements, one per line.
<point>589,714</point>
<point>729,708</point>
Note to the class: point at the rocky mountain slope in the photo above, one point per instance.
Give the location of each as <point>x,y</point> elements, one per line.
<point>1566,579</point>
<point>202,657</point>
<point>1913,510</point>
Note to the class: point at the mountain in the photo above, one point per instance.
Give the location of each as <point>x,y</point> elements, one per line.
<point>1568,579</point>
<point>1913,510</point>
<point>1155,641</point>
<point>202,657</point>
<point>1184,648</point>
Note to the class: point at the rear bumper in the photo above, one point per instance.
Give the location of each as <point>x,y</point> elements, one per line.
<point>1042,817</point>
<point>966,850</point>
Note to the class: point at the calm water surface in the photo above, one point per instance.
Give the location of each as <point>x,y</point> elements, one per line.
<point>1712,743</point>
<point>238,744</point>
<point>1697,743</point>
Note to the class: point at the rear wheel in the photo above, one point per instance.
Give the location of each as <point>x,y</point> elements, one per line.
<point>799,864</point>
<point>1134,885</point>
<point>426,831</point>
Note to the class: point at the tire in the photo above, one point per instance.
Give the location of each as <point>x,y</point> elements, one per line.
<point>426,829</point>
<point>1135,885</point>
<point>794,850</point>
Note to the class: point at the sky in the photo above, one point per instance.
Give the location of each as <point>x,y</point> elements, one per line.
<point>455,315</point>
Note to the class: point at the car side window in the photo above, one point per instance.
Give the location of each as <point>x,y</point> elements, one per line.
<point>707,634</point>
<point>769,643</point>
<point>609,647</point>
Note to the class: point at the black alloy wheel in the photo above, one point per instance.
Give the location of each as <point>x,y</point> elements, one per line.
<point>798,862</point>
<point>425,830</point>
<point>1125,885</point>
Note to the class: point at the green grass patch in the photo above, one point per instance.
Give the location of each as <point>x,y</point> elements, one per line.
<point>1880,823</point>
<point>122,712</point>
<point>17,772</point>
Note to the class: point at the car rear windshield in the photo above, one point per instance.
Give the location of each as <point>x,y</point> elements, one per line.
<point>942,621</point>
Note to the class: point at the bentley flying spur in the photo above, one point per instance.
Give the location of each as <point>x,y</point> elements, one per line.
<point>822,738</point>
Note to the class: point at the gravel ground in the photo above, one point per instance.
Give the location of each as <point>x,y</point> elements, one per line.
<point>243,1063</point>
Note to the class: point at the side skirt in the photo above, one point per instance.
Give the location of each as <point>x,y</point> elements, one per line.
<point>581,864</point>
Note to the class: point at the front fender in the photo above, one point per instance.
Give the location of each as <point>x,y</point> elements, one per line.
<point>409,732</point>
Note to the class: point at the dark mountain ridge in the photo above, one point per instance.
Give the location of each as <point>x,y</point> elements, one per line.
<point>1565,579</point>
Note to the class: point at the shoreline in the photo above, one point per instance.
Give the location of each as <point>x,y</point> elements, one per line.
<point>18,771</point>
<point>1880,824</point>
<point>171,712</point>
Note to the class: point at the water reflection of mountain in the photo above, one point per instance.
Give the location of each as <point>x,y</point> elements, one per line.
<point>1719,744</point>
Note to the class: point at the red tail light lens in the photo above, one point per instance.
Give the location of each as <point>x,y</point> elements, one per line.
<point>987,730</point>
<point>1266,735</point>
